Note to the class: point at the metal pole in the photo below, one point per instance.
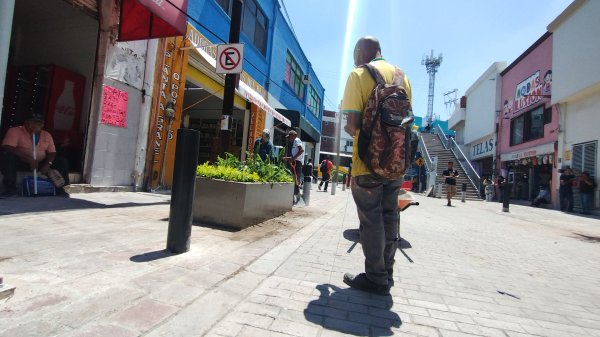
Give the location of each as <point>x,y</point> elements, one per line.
<point>182,195</point>
<point>337,159</point>
<point>230,79</point>
<point>7,8</point>
<point>344,182</point>
<point>35,190</point>
<point>463,192</point>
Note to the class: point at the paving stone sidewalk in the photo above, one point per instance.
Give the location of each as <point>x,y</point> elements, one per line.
<point>468,270</point>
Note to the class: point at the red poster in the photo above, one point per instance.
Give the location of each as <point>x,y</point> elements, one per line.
<point>114,107</point>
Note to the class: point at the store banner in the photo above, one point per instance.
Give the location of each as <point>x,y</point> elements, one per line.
<point>126,63</point>
<point>257,124</point>
<point>164,130</point>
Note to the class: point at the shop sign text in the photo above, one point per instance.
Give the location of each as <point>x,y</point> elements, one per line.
<point>484,148</point>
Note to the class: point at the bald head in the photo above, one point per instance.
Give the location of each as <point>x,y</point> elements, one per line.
<point>366,49</point>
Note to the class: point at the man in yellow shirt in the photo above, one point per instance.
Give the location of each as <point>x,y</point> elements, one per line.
<point>376,198</point>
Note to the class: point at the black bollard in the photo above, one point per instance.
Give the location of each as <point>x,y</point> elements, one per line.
<point>463,192</point>
<point>506,197</point>
<point>306,189</point>
<point>182,193</point>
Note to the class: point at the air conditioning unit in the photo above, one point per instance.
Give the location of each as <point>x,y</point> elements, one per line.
<point>305,79</point>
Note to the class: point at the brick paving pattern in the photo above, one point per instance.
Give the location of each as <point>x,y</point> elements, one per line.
<point>468,270</point>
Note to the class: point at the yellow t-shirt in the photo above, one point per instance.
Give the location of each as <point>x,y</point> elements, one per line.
<point>359,86</point>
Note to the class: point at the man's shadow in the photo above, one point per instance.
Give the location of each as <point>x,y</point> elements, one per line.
<point>351,311</point>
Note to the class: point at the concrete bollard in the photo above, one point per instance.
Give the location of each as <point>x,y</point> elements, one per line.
<point>344,183</point>
<point>506,197</point>
<point>182,195</point>
<point>306,190</point>
<point>463,192</point>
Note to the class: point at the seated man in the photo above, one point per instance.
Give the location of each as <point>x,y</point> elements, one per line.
<point>16,153</point>
<point>542,198</point>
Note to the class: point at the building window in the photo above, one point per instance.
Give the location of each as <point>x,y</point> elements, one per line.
<point>254,22</point>
<point>548,116</point>
<point>254,25</point>
<point>314,101</point>
<point>527,127</point>
<point>226,5</point>
<point>294,75</point>
<point>584,157</point>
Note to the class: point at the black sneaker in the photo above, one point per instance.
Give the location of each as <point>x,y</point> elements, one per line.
<point>361,282</point>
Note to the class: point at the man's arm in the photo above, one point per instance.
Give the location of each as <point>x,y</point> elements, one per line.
<point>23,157</point>
<point>45,165</point>
<point>352,123</point>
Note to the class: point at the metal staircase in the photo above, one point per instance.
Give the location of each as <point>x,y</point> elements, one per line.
<point>434,147</point>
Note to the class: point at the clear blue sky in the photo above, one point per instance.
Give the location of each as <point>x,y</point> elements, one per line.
<point>471,35</point>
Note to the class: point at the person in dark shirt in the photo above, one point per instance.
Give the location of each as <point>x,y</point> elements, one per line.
<point>264,147</point>
<point>587,185</point>
<point>450,174</point>
<point>565,191</point>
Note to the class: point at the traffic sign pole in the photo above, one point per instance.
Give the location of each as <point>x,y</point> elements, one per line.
<point>230,79</point>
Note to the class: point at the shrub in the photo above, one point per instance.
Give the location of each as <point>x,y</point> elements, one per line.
<point>253,170</point>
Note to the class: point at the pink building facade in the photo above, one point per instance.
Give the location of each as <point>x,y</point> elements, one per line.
<point>527,125</point>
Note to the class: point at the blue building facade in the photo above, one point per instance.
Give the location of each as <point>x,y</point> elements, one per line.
<point>273,58</point>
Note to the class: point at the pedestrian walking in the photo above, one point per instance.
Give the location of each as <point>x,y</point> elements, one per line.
<point>450,174</point>
<point>586,191</point>
<point>325,167</point>
<point>565,191</point>
<point>376,197</point>
<point>294,159</point>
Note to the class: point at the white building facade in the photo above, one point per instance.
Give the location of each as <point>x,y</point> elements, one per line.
<point>474,119</point>
<point>576,87</point>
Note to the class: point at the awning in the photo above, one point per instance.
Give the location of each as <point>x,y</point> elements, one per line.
<point>257,99</point>
<point>150,19</point>
<point>530,152</point>
<point>308,132</point>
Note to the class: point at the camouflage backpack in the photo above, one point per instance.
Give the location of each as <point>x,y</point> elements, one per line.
<point>384,142</point>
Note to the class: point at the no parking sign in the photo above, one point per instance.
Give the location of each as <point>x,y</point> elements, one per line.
<point>230,58</point>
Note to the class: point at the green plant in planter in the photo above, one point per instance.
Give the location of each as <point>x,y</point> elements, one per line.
<point>253,170</point>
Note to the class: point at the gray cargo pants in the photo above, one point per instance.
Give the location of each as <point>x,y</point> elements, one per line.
<point>377,203</point>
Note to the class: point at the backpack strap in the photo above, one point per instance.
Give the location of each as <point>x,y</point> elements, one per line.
<point>375,74</point>
<point>398,77</point>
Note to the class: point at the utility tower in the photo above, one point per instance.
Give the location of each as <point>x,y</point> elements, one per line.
<point>432,64</point>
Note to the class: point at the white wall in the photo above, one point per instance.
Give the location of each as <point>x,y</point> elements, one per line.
<point>576,51</point>
<point>483,99</point>
<point>115,147</point>
<point>581,119</point>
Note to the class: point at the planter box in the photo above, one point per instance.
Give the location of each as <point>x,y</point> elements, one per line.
<point>240,205</point>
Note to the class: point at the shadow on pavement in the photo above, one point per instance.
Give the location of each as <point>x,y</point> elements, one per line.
<point>20,205</point>
<point>352,312</point>
<point>151,256</point>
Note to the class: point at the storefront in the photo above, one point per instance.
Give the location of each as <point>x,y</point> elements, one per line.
<point>197,92</point>
<point>528,123</point>
<point>529,169</point>
<point>50,71</point>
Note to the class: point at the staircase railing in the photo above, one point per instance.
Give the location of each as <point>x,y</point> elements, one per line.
<point>464,162</point>
<point>430,164</point>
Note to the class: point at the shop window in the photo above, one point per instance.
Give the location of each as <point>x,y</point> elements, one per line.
<point>314,101</point>
<point>527,127</point>
<point>254,25</point>
<point>584,157</point>
<point>294,75</point>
